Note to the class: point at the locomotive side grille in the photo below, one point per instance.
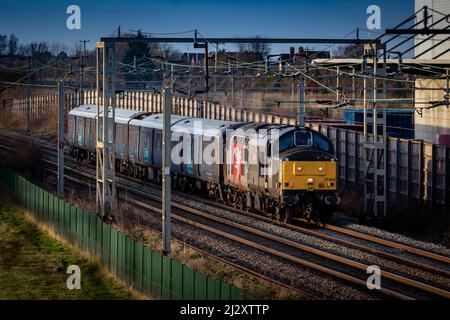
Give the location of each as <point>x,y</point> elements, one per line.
<point>308,175</point>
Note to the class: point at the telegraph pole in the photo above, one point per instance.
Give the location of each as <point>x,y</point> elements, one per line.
<point>302,95</point>
<point>338,83</point>
<point>166,162</point>
<point>61,139</point>
<point>215,68</point>
<point>82,65</point>
<point>301,105</point>
<point>232,87</point>
<point>353,84</point>
<point>189,81</point>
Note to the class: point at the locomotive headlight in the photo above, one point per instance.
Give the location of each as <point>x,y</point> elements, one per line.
<point>310,181</point>
<point>321,169</point>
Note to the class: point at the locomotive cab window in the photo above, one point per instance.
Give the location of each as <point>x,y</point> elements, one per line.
<point>286,142</point>
<point>322,143</point>
<point>303,139</point>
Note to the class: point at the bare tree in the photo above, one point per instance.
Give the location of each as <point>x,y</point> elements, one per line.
<point>75,50</point>
<point>261,48</point>
<point>3,44</point>
<point>254,50</point>
<point>241,47</point>
<point>38,48</point>
<point>12,45</point>
<point>57,47</point>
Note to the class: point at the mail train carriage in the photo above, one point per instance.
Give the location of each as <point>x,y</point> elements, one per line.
<point>302,175</point>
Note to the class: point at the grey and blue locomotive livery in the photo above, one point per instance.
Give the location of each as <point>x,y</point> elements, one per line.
<point>303,184</point>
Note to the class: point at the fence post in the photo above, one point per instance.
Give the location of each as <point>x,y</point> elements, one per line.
<point>152,99</point>
<point>398,171</point>
<point>357,176</point>
<point>338,138</point>
<point>28,112</point>
<point>140,97</point>
<point>446,175</point>
<point>421,173</point>
<point>409,171</point>
<point>387,172</point>
<point>346,157</point>
<point>133,100</point>
<point>433,174</point>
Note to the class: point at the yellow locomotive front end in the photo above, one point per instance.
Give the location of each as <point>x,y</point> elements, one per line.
<point>309,175</point>
<point>309,188</point>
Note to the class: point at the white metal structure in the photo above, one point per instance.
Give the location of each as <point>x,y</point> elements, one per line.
<point>105,132</point>
<point>375,181</point>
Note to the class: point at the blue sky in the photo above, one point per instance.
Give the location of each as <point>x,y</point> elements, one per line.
<point>46,20</point>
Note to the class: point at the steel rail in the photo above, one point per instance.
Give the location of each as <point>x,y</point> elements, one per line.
<point>212,256</point>
<point>389,243</point>
<point>355,234</point>
<point>344,261</point>
<point>227,235</point>
<point>394,277</point>
<point>321,253</point>
<point>341,230</point>
<point>347,243</point>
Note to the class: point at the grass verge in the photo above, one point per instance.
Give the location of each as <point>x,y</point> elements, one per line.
<point>33,264</point>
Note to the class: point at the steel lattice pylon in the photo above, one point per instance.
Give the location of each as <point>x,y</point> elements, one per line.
<point>105,132</point>
<point>375,180</point>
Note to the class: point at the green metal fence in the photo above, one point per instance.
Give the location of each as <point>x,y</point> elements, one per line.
<point>147,271</point>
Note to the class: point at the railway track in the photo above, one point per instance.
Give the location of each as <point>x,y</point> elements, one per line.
<point>357,235</point>
<point>241,234</point>
<point>154,208</point>
<point>285,247</point>
<point>205,253</point>
<point>334,228</point>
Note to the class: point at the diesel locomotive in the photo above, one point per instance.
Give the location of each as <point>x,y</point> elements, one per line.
<point>283,171</point>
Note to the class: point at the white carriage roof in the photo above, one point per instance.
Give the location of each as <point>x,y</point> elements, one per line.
<point>90,111</point>
<point>282,129</point>
<point>155,121</point>
<point>86,110</point>
<point>206,127</point>
<point>124,115</point>
<point>184,124</point>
